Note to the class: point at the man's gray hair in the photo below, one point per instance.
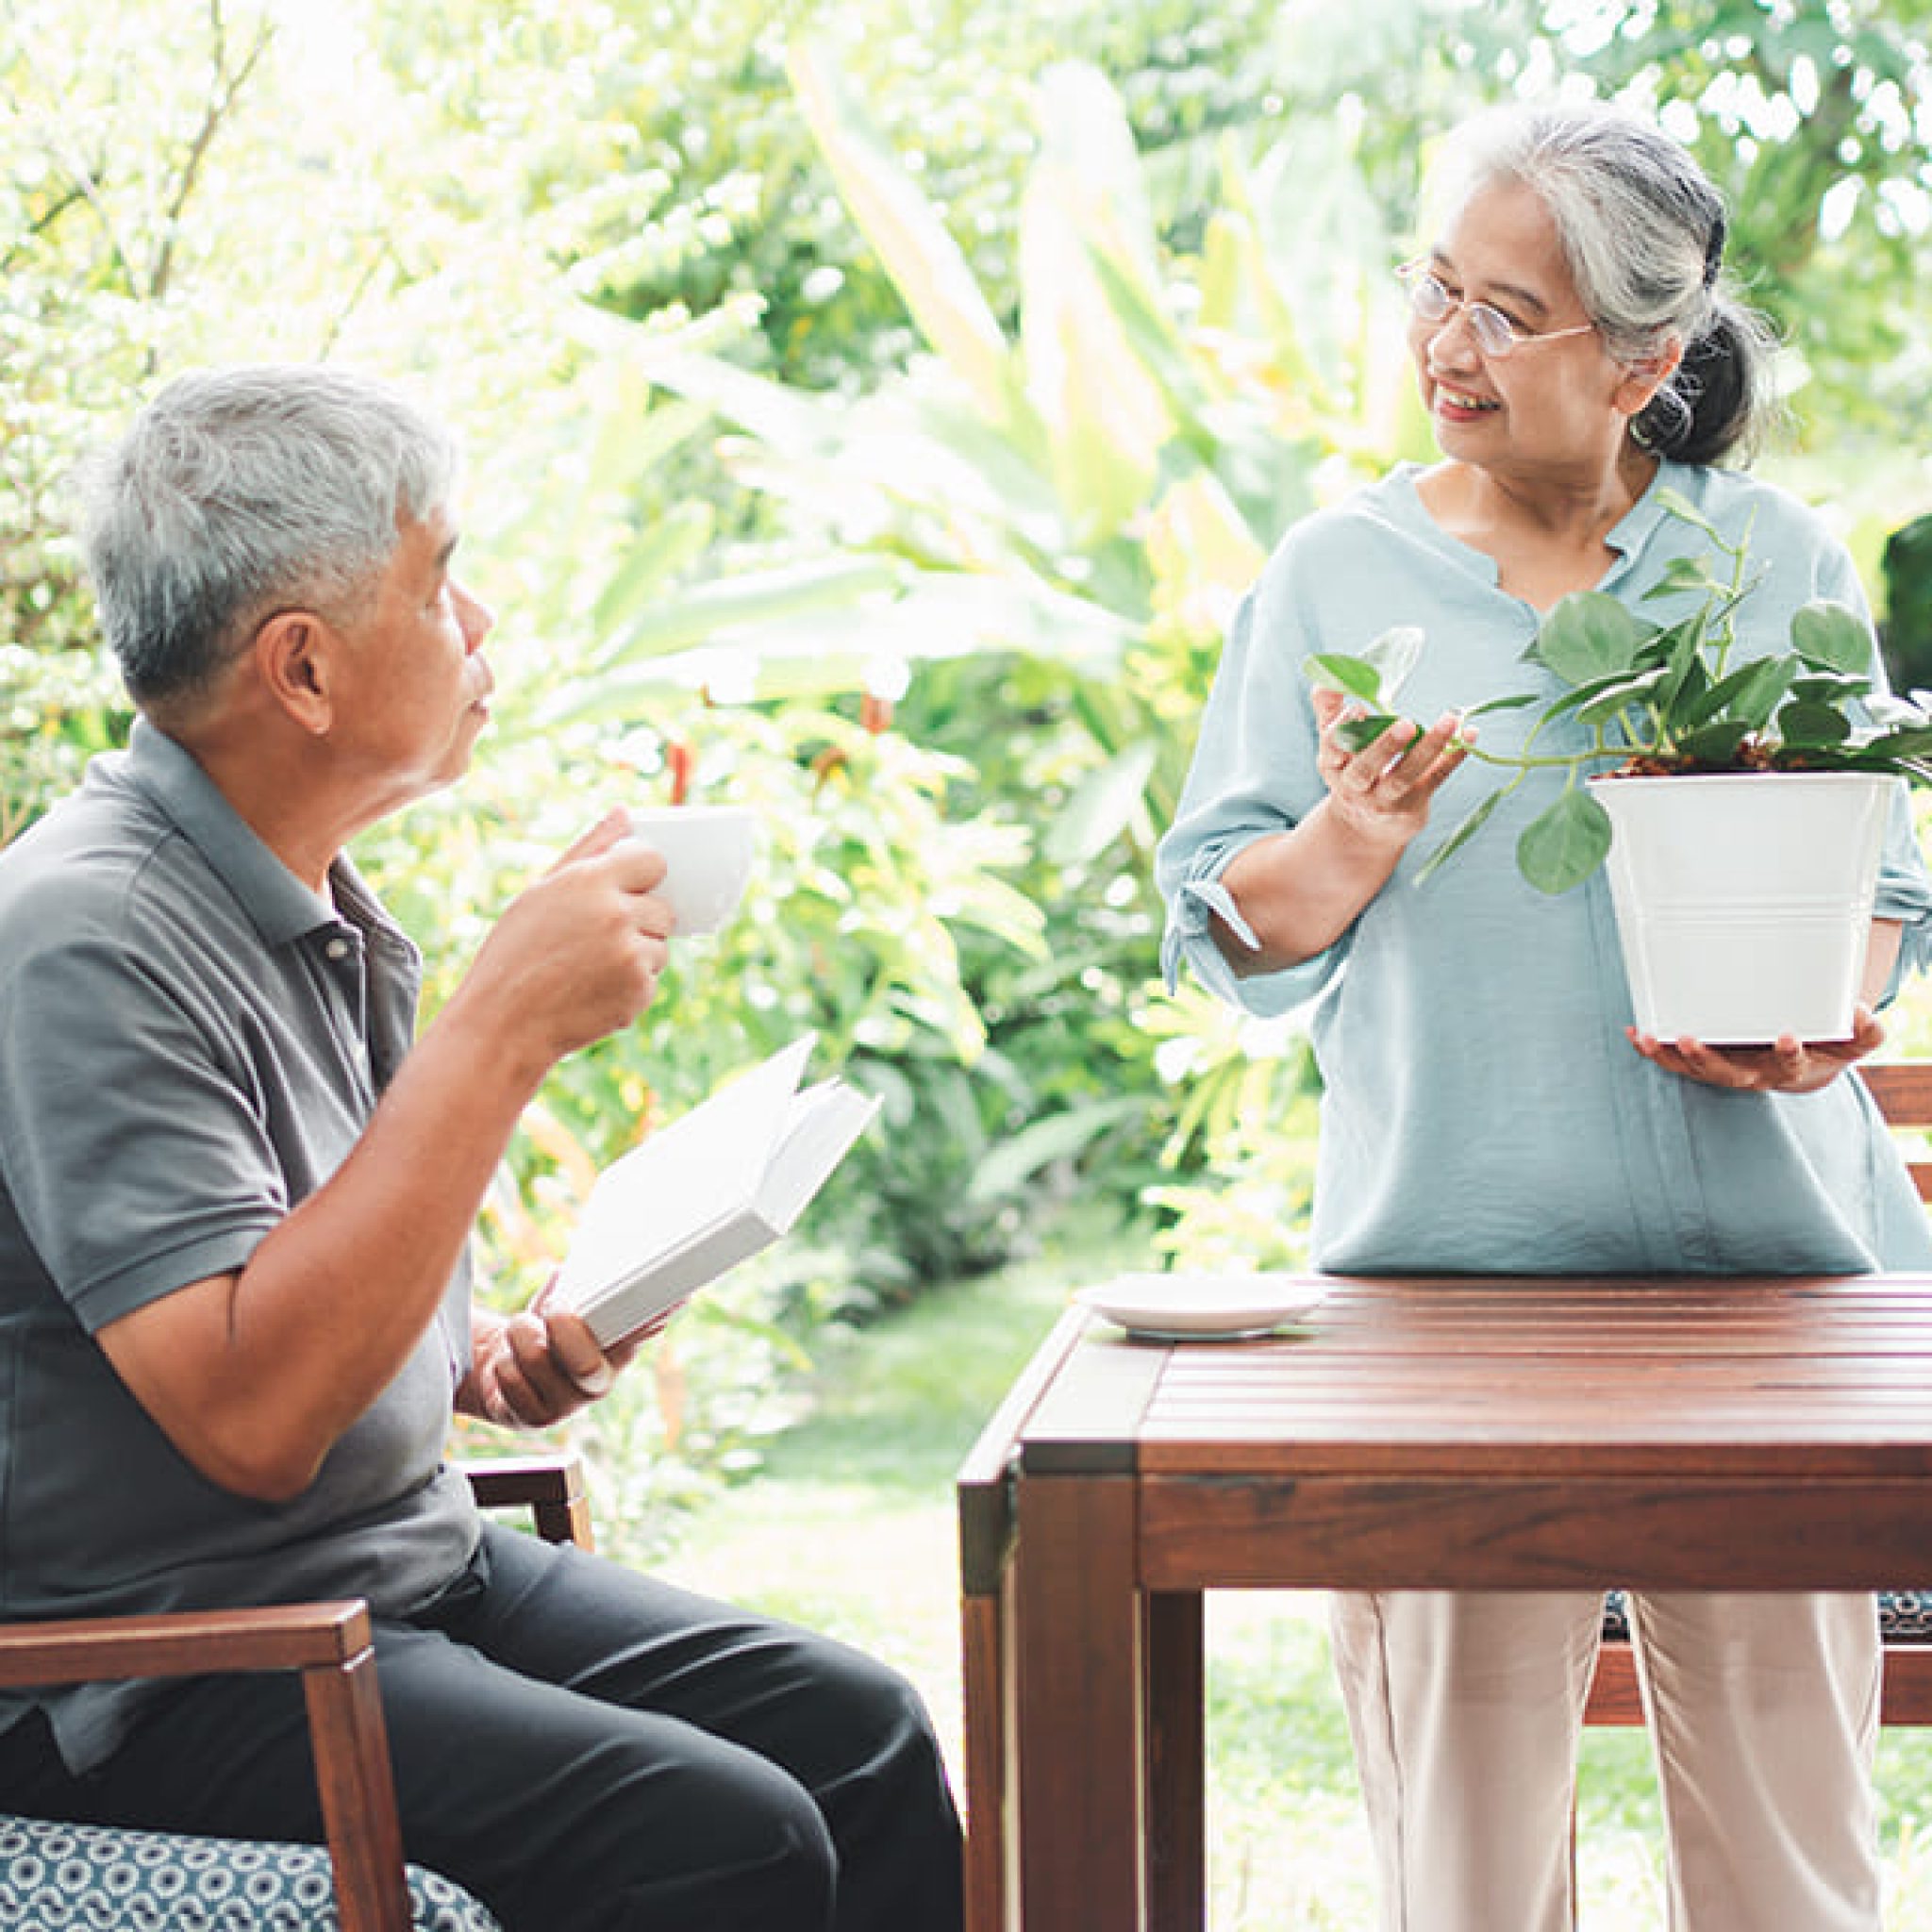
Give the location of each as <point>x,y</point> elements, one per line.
<point>238,493</point>
<point>1642,232</point>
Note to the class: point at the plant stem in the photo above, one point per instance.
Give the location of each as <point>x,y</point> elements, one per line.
<point>1525,762</point>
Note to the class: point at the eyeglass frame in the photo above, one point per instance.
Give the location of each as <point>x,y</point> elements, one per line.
<point>1485,319</point>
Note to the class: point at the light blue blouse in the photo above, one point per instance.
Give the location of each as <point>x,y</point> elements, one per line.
<point>1483,1110</point>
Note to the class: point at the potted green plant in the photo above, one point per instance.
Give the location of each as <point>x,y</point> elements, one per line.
<point>1740,803</point>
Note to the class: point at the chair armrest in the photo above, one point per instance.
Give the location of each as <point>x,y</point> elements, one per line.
<point>329,1644</point>
<point>550,1487</point>
<point>179,1643</point>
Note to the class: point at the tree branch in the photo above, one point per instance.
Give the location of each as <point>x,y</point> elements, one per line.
<point>42,223</point>
<point>85,187</point>
<point>224,90</point>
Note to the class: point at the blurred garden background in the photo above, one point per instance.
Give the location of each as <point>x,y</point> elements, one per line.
<point>874,411</point>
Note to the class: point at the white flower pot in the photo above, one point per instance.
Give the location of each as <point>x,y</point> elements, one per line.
<point>1743,900</point>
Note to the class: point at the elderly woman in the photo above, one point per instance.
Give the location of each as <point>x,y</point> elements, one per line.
<point>1488,1107</point>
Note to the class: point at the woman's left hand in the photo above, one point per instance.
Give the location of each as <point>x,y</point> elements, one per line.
<point>1785,1066</point>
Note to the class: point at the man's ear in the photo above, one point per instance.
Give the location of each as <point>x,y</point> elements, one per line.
<point>293,655</point>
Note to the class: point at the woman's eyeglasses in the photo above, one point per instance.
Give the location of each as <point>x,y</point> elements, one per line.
<point>1495,335</point>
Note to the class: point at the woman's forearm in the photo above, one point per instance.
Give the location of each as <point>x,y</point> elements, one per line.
<point>1300,891</point>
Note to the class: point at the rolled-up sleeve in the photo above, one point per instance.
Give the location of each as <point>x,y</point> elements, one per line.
<point>1253,775</point>
<point>1905,893</point>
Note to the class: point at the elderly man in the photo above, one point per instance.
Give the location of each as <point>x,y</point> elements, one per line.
<point>235,1202</point>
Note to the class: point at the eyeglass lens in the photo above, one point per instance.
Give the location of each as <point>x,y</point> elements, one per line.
<point>1432,301</point>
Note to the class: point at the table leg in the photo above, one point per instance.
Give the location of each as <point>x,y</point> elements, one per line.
<point>1078,1673</point>
<point>984,1625</point>
<point>1176,1701</point>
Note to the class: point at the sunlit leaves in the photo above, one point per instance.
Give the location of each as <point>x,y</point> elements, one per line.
<point>926,263</point>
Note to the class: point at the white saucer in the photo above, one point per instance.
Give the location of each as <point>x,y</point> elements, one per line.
<point>1203,1307</point>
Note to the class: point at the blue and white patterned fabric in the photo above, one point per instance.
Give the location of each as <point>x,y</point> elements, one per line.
<point>1905,1618</point>
<point>93,1878</point>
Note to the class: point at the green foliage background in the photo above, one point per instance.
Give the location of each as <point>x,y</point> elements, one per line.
<point>875,411</point>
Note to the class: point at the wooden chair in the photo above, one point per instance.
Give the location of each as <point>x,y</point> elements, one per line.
<point>330,1646</point>
<point>1903,1089</point>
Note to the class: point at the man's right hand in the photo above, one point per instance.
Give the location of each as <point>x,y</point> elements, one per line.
<point>577,954</point>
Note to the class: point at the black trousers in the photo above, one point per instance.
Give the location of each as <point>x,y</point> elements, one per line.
<point>587,1750</point>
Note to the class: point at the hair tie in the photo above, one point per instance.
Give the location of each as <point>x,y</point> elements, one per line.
<point>1714,251</point>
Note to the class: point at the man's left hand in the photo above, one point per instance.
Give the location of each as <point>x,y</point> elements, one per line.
<point>535,1368</point>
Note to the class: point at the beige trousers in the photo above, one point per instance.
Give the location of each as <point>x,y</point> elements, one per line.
<point>1467,1715</point>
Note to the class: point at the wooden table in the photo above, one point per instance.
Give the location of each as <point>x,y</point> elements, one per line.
<point>1667,1434</point>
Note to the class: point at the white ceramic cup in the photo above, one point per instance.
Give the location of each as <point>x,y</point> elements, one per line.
<point>708,851</point>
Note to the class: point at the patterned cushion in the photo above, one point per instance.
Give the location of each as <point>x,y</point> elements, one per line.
<point>89,1878</point>
<point>1905,1616</point>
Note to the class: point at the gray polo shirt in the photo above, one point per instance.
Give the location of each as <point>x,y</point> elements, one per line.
<point>191,1042</point>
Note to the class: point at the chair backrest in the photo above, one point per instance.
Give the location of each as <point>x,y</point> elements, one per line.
<point>1903,1089</point>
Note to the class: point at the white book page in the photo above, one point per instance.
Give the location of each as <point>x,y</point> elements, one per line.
<point>823,1124</point>
<point>685,1179</point>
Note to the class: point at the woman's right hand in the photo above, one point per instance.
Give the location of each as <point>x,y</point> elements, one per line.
<point>1383,792</point>
<point>1300,891</point>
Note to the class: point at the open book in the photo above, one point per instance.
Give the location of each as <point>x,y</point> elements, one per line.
<point>717,1184</point>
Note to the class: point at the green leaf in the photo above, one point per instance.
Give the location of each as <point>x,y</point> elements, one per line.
<point>1394,654</point>
<point>1714,744</point>
<point>1585,693</point>
<point>1589,635</point>
<point>1830,687</point>
<point>1911,741</point>
<point>1103,806</point>
<point>1747,696</point>
<point>1013,1162</point>
<point>926,265</point>
<point>1686,511</point>
<point>789,420</point>
<point>1680,704</point>
<point>671,542</point>
<point>1107,417</point>
<point>1683,645</point>
<point>1353,677</point>
<point>1162,351</point>
<point>1357,733</point>
<point>1801,724</point>
<point>1619,694</point>
<point>1461,837</point>
<point>1562,846</point>
<point>752,598</point>
<point>1833,635</point>
<point>1681,574</point>
<point>1515,702</point>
